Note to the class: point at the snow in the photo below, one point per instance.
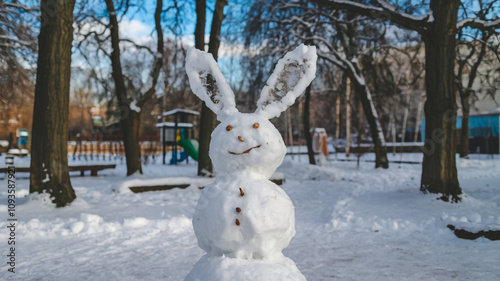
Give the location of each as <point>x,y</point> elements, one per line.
<point>224,268</point>
<point>134,107</point>
<point>386,5</point>
<point>141,180</point>
<point>477,22</point>
<point>351,224</point>
<point>16,151</point>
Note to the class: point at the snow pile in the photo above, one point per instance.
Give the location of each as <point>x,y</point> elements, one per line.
<point>473,222</point>
<point>141,180</point>
<point>92,224</point>
<point>244,221</point>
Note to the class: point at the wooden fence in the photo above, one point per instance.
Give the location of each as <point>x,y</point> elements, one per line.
<point>98,147</point>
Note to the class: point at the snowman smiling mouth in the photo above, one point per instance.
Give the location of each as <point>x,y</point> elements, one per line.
<point>244,152</point>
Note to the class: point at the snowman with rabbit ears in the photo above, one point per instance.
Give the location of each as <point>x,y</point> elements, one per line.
<point>244,221</point>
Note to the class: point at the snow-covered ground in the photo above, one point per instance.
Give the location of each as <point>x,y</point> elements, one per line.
<point>352,224</point>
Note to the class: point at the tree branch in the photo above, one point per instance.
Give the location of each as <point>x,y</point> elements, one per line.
<point>20,42</point>
<point>155,72</point>
<point>386,10</point>
<point>20,6</point>
<point>478,24</point>
<point>137,45</point>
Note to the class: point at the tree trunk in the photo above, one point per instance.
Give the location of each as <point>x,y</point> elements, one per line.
<point>207,121</point>
<point>466,93</point>
<point>337,118</point>
<point>464,137</point>
<point>439,172</point>
<point>129,119</point>
<point>376,130</point>
<point>348,117</point>
<point>419,116</point>
<point>49,159</point>
<point>204,163</point>
<point>207,117</point>
<point>199,32</point>
<point>375,127</point>
<point>130,130</point>
<point>405,119</point>
<point>354,77</point>
<point>307,128</point>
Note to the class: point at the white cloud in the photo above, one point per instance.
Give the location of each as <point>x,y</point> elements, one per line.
<point>134,28</point>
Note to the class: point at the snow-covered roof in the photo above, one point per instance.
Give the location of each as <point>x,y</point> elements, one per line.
<point>180,110</point>
<point>172,125</point>
<point>491,112</point>
<point>318,130</point>
<point>497,110</point>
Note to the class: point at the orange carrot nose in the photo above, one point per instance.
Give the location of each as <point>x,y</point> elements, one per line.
<point>240,138</point>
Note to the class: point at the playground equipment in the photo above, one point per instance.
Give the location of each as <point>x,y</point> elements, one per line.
<point>176,130</point>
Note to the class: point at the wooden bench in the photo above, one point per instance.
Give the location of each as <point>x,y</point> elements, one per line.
<point>277,178</point>
<point>139,189</point>
<point>18,169</point>
<point>82,168</point>
<point>92,168</point>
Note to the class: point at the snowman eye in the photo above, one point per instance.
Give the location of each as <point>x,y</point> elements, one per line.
<point>256,125</point>
<point>229,128</point>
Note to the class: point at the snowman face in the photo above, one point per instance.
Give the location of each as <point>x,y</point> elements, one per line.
<point>248,144</point>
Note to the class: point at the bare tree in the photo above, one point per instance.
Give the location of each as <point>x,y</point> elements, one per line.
<point>394,74</point>
<point>354,72</point>
<point>131,107</point>
<point>18,46</point>
<point>17,38</point>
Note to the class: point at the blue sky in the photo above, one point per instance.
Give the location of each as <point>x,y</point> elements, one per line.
<point>143,18</point>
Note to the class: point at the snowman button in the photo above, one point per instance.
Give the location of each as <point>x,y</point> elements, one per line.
<point>238,209</point>
<point>237,222</point>
<point>241,192</point>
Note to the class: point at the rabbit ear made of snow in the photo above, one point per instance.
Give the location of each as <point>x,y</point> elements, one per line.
<point>291,76</point>
<point>208,83</point>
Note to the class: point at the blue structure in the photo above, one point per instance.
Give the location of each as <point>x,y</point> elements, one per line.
<point>484,132</point>
<point>22,139</point>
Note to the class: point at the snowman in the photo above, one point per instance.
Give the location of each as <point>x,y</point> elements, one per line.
<point>244,221</point>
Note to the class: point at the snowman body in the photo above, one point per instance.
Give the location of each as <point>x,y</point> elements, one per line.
<point>244,221</point>
<point>257,225</point>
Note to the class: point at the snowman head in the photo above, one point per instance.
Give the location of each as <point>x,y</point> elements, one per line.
<point>248,143</point>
